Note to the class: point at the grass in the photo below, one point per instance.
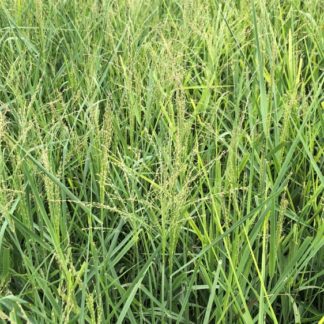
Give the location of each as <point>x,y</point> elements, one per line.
<point>161,161</point>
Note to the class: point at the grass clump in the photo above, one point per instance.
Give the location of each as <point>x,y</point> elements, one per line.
<point>161,161</point>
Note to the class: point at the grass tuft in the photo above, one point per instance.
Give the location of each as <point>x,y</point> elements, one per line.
<point>161,161</point>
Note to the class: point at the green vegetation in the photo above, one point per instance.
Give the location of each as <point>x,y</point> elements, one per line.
<point>161,161</point>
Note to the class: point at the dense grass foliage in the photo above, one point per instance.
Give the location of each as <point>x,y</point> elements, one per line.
<point>161,161</point>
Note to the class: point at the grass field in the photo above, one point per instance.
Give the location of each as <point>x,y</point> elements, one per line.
<point>161,161</point>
